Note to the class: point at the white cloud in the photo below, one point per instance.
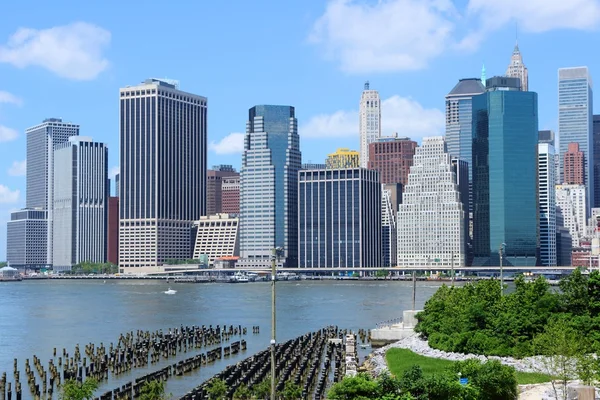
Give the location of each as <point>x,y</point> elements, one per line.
<point>400,35</point>
<point>230,144</point>
<point>18,168</point>
<point>113,172</point>
<point>399,114</point>
<point>72,51</point>
<point>7,134</point>
<point>9,98</point>
<point>8,196</point>
<point>392,35</point>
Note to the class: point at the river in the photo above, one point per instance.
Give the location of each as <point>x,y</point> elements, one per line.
<point>36,316</point>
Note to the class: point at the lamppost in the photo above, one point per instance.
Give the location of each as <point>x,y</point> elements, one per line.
<point>452,268</point>
<point>276,253</point>
<point>500,252</point>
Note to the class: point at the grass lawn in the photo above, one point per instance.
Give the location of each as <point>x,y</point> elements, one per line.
<point>399,360</point>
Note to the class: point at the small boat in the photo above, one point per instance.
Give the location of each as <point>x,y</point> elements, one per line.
<point>239,277</point>
<point>170,291</point>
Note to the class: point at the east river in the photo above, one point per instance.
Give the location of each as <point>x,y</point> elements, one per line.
<point>36,316</point>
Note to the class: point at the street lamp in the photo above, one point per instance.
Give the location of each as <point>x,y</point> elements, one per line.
<point>500,251</point>
<point>276,253</point>
<point>452,268</point>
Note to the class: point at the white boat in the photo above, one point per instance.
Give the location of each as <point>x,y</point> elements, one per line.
<point>239,277</point>
<point>170,291</point>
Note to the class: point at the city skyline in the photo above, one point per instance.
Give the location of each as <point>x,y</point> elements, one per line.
<point>412,92</point>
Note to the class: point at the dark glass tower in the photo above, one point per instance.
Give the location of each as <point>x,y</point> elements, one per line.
<point>505,206</point>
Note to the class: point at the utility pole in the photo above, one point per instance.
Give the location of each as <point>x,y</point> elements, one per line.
<point>273,330</point>
<point>452,265</point>
<point>501,270</point>
<point>414,279</point>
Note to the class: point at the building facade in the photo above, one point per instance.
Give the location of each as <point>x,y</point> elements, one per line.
<point>574,165</point>
<point>571,201</point>
<point>391,197</point>
<point>214,187</point>
<point>163,173</point>
<point>547,204</point>
<point>596,133</point>
<point>217,236</point>
<point>517,69</point>
<point>80,203</point>
<point>230,195</point>
<point>392,157</point>
<point>343,158</point>
<point>112,231</point>
<point>369,122</point>
<point>431,218</point>
<point>505,205</point>
<point>575,119</point>
<point>26,239</point>
<point>42,140</point>
<point>339,223</point>
<point>269,186</point>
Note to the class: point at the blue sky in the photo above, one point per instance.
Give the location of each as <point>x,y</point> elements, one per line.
<point>68,59</point>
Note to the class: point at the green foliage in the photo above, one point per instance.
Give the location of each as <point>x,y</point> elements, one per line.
<point>476,318</point>
<point>75,390</point>
<point>494,380</point>
<point>217,390</point>
<point>173,261</point>
<point>242,393</point>
<point>94,268</point>
<point>291,391</point>
<point>153,390</point>
<point>382,273</point>
<point>3,264</point>
<point>262,390</point>
<point>359,387</point>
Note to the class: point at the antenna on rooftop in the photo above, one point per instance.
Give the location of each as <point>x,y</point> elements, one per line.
<point>367,85</point>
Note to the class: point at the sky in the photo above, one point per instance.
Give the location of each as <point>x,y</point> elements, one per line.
<point>68,59</point>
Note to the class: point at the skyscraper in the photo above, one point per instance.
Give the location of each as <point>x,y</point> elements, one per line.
<point>392,157</point>
<point>574,165</point>
<point>570,199</point>
<point>27,238</point>
<point>269,186</point>
<point>370,122</point>
<point>546,136</point>
<point>230,195</point>
<point>340,218</point>
<point>343,158</point>
<point>214,187</point>
<point>163,173</point>
<point>575,107</point>
<point>596,132</point>
<point>547,204</point>
<point>42,139</point>
<point>517,69</point>
<point>505,206</point>
<point>80,203</point>
<point>431,218</point>
<point>391,197</point>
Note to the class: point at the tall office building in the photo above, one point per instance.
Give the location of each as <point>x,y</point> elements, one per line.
<point>431,218</point>
<point>575,120</point>
<point>461,170</point>
<point>547,204</point>
<point>42,139</point>
<point>343,158</point>
<point>370,122</point>
<point>339,224</point>
<point>574,165</point>
<point>505,205</point>
<point>80,202</point>
<point>546,136</point>
<point>230,195</point>
<point>459,127</point>
<point>217,236</point>
<point>570,199</point>
<point>163,173</point>
<point>112,231</point>
<point>214,187</point>
<point>392,157</point>
<point>596,132</point>
<point>517,69</point>
<point>269,186</point>
<point>27,238</point>
<point>391,197</point>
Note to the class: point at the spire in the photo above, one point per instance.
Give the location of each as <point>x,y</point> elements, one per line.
<point>367,85</point>
<point>516,50</point>
<point>483,74</point>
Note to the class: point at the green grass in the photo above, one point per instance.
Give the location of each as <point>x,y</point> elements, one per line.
<point>399,360</point>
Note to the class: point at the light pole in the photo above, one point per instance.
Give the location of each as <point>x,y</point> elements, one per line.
<point>500,251</point>
<point>452,268</point>
<point>276,252</point>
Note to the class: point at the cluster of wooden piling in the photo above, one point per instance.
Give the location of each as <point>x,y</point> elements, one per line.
<point>132,350</point>
<point>307,361</point>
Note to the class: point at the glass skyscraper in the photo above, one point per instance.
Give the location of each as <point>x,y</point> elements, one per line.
<point>505,206</point>
<point>269,186</point>
<point>575,116</point>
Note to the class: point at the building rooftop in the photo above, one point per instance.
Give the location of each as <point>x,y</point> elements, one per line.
<point>467,86</point>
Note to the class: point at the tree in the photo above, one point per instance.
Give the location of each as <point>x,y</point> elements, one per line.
<point>74,390</point>
<point>560,345</point>
<point>242,393</point>
<point>291,391</point>
<point>153,390</point>
<point>262,390</point>
<point>493,380</point>
<point>217,390</point>
<point>574,288</point>
<point>359,387</point>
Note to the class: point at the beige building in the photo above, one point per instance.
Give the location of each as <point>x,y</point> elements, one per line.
<point>217,236</point>
<point>517,69</point>
<point>343,158</point>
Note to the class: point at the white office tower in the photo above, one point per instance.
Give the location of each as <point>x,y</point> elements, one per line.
<point>431,218</point>
<point>80,203</point>
<point>570,199</point>
<point>547,204</point>
<point>370,122</point>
